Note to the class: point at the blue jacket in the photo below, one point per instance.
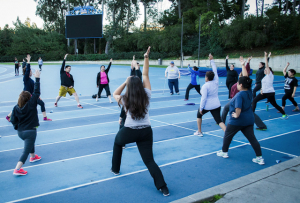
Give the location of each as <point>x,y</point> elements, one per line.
<point>28,82</point>
<point>195,77</point>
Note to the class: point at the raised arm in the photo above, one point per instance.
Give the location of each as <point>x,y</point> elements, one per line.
<point>146,80</point>
<point>36,93</point>
<point>62,70</point>
<point>214,67</point>
<point>284,70</point>
<point>27,71</point>
<point>244,70</point>
<point>109,65</point>
<point>248,65</point>
<point>267,63</point>
<point>227,67</point>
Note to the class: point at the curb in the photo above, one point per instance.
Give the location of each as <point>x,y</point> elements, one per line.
<point>239,182</point>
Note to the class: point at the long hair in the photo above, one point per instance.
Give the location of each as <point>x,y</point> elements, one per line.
<point>24,97</point>
<point>271,70</point>
<point>135,99</point>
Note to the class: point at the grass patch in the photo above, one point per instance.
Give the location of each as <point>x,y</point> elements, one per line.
<point>212,199</point>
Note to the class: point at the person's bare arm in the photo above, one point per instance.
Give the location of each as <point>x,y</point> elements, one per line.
<point>267,63</point>
<point>118,91</point>
<point>244,70</point>
<point>284,70</point>
<point>295,88</point>
<point>237,113</point>
<point>146,80</point>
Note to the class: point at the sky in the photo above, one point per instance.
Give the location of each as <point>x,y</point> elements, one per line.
<point>10,9</point>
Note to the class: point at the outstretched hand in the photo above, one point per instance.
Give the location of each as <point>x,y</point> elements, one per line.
<point>133,58</point>
<point>65,57</point>
<point>146,55</point>
<point>210,57</point>
<point>242,60</point>
<point>28,58</point>
<point>37,74</point>
<point>288,63</point>
<point>110,60</point>
<point>266,54</point>
<point>249,59</point>
<point>269,54</point>
<point>227,57</point>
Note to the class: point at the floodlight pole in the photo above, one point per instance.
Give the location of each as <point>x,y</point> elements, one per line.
<point>181,62</point>
<point>199,41</point>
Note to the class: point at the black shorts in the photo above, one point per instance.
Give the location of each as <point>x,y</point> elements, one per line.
<point>214,112</point>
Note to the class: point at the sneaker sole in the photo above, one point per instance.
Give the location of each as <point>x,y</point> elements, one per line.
<point>35,160</point>
<point>258,163</point>
<point>19,174</point>
<point>116,174</point>
<point>225,157</point>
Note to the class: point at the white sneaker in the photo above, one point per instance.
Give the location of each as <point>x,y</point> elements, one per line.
<point>222,154</point>
<point>198,133</point>
<point>259,160</point>
<point>96,98</point>
<point>110,102</point>
<point>178,93</point>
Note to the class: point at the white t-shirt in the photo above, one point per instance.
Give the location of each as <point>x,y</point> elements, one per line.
<point>173,72</point>
<point>267,83</point>
<point>129,122</point>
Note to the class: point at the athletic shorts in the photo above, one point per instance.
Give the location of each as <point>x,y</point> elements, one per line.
<point>64,90</point>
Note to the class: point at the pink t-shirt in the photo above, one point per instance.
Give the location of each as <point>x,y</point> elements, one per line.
<point>103,78</point>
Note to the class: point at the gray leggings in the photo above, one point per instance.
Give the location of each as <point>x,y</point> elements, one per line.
<point>257,121</point>
<point>29,137</point>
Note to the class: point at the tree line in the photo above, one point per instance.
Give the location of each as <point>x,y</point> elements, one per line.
<point>225,25</point>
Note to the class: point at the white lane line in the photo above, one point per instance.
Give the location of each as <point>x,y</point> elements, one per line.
<point>279,151</point>
<point>115,177</point>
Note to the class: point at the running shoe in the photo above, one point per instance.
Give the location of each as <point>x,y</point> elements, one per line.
<point>124,147</point>
<point>261,129</point>
<point>20,172</point>
<point>171,93</point>
<point>165,191</point>
<point>96,98</point>
<point>284,117</point>
<point>296,109</point>
<point>55,104</point>
<point>198,133</point>
<point>110,102</point>
<point>34,159</point>
<point>47,119</point>
<point>7,118</point>
<point>222,154</point>
<point>186,100</point>
<point>79,106</point>
<point>259,160</point>
<point>115,173</point>
<point>178,93</point>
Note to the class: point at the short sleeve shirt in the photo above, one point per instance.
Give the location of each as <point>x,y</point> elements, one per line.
<point>173,72</point>
<point>130,122</point>
<point>267,83</point>
<point>242,100</point>
<point>290,83</point>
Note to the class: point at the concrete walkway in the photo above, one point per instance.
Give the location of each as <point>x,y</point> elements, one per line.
<point>277,184</point>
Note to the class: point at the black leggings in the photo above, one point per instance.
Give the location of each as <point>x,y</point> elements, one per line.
<point>229,85</point>
<point>288,95</point>
<point>42,104</point>
<point>230,132</point>
<point>104,86</point>
<point>214,112</point>
<point>197,87</point>
<point>271,99</point>
<point>16,69</point>
<point>29,137</point>
<point>255,89</point>
<point>144,140</point>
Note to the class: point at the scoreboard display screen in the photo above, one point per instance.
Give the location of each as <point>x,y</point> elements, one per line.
<point>84,26</point>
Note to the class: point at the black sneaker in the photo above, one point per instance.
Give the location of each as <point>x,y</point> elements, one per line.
<point>115,173</point>
<point>261,129</point>
<point>165,191</point>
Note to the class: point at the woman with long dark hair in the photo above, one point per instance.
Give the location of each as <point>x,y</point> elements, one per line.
<point>267,89</point>
<point>103,81</point>
<point>232,76</point>
<point>241,119</point>
<point>137,127</point>
<point>25,120</point>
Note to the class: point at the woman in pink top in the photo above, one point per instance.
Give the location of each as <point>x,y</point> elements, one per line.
<point>103,81</point>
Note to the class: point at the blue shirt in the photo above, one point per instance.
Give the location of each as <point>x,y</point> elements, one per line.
<point>195,77</point>
<point>242,100</point>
